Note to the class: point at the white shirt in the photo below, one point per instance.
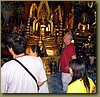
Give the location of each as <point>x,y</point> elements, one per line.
<point>44,88</point>
<point>15,79</point>
<point>42,63</point>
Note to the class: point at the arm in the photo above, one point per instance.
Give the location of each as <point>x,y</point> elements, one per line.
<point>72,52</point>
<point>74,57</point>
<point>4,84</point>
<point>42,77</point>
<point>41,83</point>
<point>94,89</point>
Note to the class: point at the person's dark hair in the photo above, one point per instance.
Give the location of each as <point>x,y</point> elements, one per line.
<point>16,42</point>
<point>79,71</point>
<point>36,48</point>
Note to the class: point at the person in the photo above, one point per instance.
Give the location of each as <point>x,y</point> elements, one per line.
<point>14,78</point>
<point>34,50</point>
<point>67,54</point>
<point>91,67</point>
<point>80,83</point>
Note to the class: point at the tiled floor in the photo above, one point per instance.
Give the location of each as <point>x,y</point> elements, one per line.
<point>54,83</point>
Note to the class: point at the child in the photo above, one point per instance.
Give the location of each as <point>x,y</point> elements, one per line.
<point>80,83</point>
<point>35,51</point>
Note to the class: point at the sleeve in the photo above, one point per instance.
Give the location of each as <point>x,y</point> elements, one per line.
<point>42,74</point>
<point>4,84</point>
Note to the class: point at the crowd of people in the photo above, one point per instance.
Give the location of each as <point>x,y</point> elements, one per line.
<point>15,79</point>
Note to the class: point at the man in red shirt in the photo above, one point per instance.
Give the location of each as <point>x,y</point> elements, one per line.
<point>67,54</point>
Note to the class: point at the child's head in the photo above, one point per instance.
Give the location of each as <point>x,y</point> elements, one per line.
<point>35,50</point>
<point>77,69</point>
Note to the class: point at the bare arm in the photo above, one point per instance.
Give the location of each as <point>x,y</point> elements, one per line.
<point>74,57</point>
<point>41,83</point>
<point>94,89</point>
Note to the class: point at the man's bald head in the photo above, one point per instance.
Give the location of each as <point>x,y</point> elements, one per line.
<point>68,37</point>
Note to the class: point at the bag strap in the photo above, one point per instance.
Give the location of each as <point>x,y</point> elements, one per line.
<point>28,72</point>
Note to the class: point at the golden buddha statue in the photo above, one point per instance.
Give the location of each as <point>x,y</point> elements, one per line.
<point>42,31</point>
<point>83,25</point>
<point>43,26</point>
<point>43,36</point>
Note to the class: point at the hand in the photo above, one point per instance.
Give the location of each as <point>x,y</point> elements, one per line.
<point>94,89</point>
<point>67,68</point>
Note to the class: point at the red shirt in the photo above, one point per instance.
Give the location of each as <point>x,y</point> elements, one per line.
<point>66,56</point>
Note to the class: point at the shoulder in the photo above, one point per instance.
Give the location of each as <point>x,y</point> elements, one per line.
<point>31,60</point>
<point>39,58</point>
<point>76,87</point>
<point>73,86</point>
<point>70,47</point>
<point>8,66</point>
<point>91,81</point>
<point>71,44</point>
<point>78,83</point>
<point>27,58</point>
<point>75,83</point>
<point>9,63</point>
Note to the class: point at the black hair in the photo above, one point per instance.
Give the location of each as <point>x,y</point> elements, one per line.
<point>79,71</point>
<point>16,42</point>
<point>36,48</point>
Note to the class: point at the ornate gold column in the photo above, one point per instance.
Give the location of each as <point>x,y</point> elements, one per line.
<point>60,29</point>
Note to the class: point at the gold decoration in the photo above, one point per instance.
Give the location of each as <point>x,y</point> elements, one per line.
<point>32,10</point>
<point>43,8</point>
